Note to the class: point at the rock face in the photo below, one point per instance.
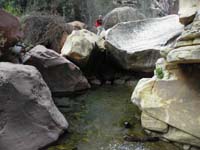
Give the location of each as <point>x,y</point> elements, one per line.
<point>88,10</point>
<point>29,118</point>
<point>173,101</point>
<point>61,75</point>
<point>151,8</point>
<point>46,30</point>
<point>187,48</point>
<point>153,124</point>
<point>80,45</point>
<point>121,14</point>
<point>172,95</point>
<point>9,31</point>
<point>136,45</point>
<point>188,10</point>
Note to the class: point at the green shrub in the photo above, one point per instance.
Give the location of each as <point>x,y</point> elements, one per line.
<point>159,73</point>
<point>12,7</point>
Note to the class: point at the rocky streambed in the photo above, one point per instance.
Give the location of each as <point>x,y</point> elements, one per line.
<point>96,121</point>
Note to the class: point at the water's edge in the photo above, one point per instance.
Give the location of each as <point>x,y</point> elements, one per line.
<point>97,119</point>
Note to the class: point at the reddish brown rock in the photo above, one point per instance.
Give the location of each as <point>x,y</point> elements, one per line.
<point>61,75</point>
<point>9,30</point>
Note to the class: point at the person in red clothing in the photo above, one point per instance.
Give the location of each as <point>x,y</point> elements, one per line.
<point>99,24</point>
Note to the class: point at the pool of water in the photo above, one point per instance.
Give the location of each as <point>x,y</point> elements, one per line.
<point>97,119</point>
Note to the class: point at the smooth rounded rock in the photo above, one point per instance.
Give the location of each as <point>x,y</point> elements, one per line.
<point>62,76</point>
<point>136,45</point>
<point>29,117</point>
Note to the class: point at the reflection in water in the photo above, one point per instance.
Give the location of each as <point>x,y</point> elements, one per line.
<point>97,121</point>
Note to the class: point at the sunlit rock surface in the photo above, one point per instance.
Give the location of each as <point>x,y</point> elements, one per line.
<point>80,45</point>
<point>29,118</point>
<point>61,75</point>
<point>153,124</point>
<point>173,101</point>
<point>172,95</point>
<point>189,54</point>
<point>187,47</point>
<point>187,10</point>
<point>136,45</point>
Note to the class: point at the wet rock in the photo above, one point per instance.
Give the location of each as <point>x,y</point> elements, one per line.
<point>108,82</point>
<point>95,82</point>
<point>195,148</point>
<point>62,102</point>
<point>153,124</point>
<point>121,14</point>
<point>187,10</point>
<point>10,32</point>
<point>127,125</point>
<point>136,45</point>
<point>80,45</point>
<point>61,75</point>
<point>119,82</point>
<point>131,83</point>
<point>29,118</point>
<point>180,136</point>
<point>186,147</point>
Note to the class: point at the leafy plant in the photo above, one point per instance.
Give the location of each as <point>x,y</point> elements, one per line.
<point>12,7</point>
<point>159,73</point>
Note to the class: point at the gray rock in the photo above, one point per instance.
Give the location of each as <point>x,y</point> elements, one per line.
<point>191,34</point>
<point>182,137</point>
<point>187,10</point>
<point>80,45</point>
<point>187,47</point>
<point>121,14</point>
<point>62,102</point>
<point>186,147</point>
<point>61,75</point>
<point>136,45</point>
<point>153,124</point>
<point>29,118</point>
<point>188,54</point>
<point>95,82</point>
<point>195,148</point>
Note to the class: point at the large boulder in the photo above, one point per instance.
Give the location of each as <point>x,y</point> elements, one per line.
<point>151,8</point>
<point>61,75</point>
<point>136,45</point>
<point>173,101</point>
<point>50,31</point>
<point>121,14</point>
<point>172,95</point>
<point>10,32</point>
<point>29,117</point>
<point>187,10</point>
<point>77,25</point>
<point>80,45</point>
<point>187,47</point>
<point>153,124</point>
<point>188,54</point>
